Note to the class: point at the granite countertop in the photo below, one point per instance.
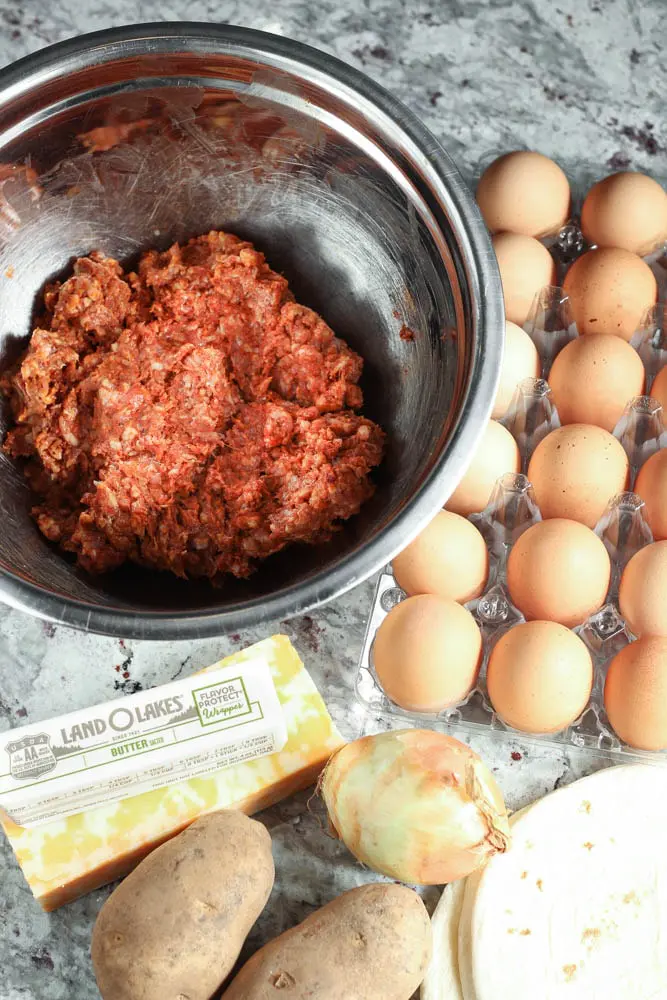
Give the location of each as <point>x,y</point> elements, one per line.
<point>582,80</point>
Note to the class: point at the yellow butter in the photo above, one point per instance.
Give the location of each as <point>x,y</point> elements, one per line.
<point>65,858</point>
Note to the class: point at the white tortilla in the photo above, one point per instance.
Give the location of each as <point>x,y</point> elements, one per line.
<point>465,932</point>
<point>577,908</point>
<point>442,978</point>
<point>465,926</point>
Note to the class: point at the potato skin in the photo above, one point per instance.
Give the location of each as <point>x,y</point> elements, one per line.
<point>371,943</point>
<point>174,928</point>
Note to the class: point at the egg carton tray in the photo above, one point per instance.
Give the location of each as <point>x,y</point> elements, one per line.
<point>512,509</point>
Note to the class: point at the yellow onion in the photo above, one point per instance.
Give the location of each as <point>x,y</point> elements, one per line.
<point>415,805</point>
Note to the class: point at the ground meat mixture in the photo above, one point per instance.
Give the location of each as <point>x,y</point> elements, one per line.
<point>191,416</point>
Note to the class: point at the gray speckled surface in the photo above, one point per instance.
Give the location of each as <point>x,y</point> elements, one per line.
<point>580,79</point>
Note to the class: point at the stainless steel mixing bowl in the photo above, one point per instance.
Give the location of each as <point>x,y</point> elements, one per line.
<point>136,137</point>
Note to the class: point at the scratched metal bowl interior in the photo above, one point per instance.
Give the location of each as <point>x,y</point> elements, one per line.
<point>139,137</point>
<point>642,430</point>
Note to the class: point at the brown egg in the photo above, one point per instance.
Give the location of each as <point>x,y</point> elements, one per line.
<point>497,453</point>
<point>659,390</point>
<point>627,210</point>
<point>609,291</point>
<point>593,378</point>
<point>539,677</point>
<point>526,266</point>
<point>427,653</point>
<point>448,558</point>
<point>642,595</point>
<point>524,192</point>
<point>635,693</point>
<point>652,487</point>
<point>520,361</point>
<point>558,571</point>
<point>576,470</point>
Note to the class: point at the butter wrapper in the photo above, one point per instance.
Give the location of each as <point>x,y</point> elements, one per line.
<point>141,742</point>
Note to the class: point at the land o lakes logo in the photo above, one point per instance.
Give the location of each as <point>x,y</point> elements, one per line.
<point>31,757</point>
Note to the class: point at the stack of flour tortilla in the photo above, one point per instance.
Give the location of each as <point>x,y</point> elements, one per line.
<point>576,909</point>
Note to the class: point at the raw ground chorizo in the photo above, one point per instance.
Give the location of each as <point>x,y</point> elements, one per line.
<point>189,417</point>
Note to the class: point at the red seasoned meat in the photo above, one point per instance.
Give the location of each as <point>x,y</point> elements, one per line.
<point>189,417</point>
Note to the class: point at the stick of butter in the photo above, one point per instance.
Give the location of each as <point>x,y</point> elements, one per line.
<point>149,740</point>
<point>131,801</point>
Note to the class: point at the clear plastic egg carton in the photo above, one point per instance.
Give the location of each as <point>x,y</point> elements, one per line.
<point>624,529</point>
